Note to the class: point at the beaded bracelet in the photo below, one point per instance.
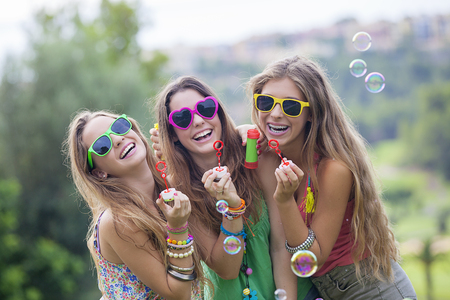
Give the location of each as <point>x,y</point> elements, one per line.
<point>181,276</point>
<point>178,230</point>
<point>226,232</point>
<point>180,255</point>
<point>305,245</point>
<point>180,247</point>
<point>175,242</point>
<point>179,269</point>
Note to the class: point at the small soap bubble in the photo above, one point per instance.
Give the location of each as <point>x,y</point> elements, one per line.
<point>304,263</point>
<point>222,206</point>
<point>358,68</point>
<point>375,82</point>
<point>362,41</point>
<point>280,294</point>
<point>232,245</point>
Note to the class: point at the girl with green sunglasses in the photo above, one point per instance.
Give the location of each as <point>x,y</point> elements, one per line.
<point>132,229</point>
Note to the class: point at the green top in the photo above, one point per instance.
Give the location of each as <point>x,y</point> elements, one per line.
<point>258,259</point>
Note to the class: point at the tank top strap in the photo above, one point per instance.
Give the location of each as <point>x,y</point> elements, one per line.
<point>96,233</point>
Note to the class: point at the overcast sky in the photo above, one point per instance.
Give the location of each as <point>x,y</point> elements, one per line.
<point>207,22</point>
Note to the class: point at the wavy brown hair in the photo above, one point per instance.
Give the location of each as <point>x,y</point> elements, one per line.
<point>188,174</point>
<point>332,134</point>
<point>124,202</point>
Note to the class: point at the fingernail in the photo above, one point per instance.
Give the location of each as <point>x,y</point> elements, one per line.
<point>175,194</point>
<point>258,152</point>
<point>258,146</point>
<point>259,142</point>
<point>242,143</point>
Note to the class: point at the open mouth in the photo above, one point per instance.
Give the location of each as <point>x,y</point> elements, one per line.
<point>127,150</point>
<point>202,135</point>
<point>277,129</point>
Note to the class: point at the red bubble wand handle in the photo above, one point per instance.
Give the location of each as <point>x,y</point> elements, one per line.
<point>278,151</point>
<point>163,174</point>
<point>218,154</point>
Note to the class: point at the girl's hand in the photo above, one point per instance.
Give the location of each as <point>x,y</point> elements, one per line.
<point>262,141</point>
<point>154,137</point>
<point>222,190</point>
<point>288,180</point>
<point>177,215</point>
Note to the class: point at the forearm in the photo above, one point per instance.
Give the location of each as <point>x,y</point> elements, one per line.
<point>284,278</point>
<point>226,265</point>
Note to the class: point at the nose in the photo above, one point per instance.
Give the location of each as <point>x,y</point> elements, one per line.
<point>197,120</point>
<point>276,112</point>
<point>116,139</point>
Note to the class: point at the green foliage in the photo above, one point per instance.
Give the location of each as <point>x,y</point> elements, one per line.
<point>73,65</point>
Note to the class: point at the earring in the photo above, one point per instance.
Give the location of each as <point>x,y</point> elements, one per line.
<point>104,176</point>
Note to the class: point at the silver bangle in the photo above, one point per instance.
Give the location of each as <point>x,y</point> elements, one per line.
<point>181,276</point>
<point>179,269</point>
<point>305,245</point>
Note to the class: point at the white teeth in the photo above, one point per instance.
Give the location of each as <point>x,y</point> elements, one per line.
<point>277,128</point>
<point>202,134</point>
<point>126,150</point>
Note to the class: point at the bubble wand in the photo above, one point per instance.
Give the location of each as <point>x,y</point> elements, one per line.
<point>284,161</point>
<point>167,194</point>
<point>220,171</point>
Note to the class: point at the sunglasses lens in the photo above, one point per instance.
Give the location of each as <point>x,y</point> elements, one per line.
<point>182,118</point>
<point>207,108</point>
<point>292,108</point>
<point>102,145</point>
<point>264,103</point>
<point>121,126</point>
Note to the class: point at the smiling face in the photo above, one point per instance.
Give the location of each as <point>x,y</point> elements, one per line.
<point>126,151</point>
<point>288,131</point>
<point>198,139</point>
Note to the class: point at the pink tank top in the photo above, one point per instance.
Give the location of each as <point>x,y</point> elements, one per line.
<point>341,254</point>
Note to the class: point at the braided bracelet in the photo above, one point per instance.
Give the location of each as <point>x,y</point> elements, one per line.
<point>226,232</point>
<point>305,245</point>
<point>180,255</point>
<point>180,269</point>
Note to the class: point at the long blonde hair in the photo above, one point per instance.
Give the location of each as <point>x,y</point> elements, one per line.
<point>331,134</point>
<point>188,174</point>
<point>124,202</point>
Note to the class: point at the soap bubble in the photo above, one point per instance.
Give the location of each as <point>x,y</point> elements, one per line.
<point>280,294</point>
<point>232,245</point>
<point>222,206</point>
<point>358,67</point>
<point>362,41</point>
<point>375,82</point>
<point>304,263</point>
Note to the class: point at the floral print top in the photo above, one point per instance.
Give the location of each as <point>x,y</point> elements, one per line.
<point>117,282</point>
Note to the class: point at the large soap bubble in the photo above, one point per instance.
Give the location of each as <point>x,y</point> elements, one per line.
<point>280,294</point>
<point>304,263</point>
<point>232,245</point>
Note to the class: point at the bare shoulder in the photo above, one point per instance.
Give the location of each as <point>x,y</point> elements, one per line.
<point>330,168</point>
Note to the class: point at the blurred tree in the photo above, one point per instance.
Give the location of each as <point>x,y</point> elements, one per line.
<point>429,135</point>
<point>32,270</point>
<point>72,65</point>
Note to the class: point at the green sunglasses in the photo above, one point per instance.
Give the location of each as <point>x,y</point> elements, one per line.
<point>103,144</point>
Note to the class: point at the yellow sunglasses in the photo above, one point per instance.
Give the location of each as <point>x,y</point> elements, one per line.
<point>290,107</point>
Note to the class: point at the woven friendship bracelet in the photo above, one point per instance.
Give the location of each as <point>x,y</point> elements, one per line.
<point>305,245</point>
<point>226,232</point>
<point>178,230</point>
